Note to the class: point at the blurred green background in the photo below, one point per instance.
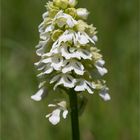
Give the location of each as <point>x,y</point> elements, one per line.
<point>24,119</point>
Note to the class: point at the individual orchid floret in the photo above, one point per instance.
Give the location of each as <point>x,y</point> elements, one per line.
<point>63,79</point>
<point>38,95</point>
<point>99,65</point>
<point>104,94</point>
<point>82,13</point>
<point>84,85</point>
<point>54,116</point>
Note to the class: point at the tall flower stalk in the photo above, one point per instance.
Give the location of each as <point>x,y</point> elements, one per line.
<point>69,59</point>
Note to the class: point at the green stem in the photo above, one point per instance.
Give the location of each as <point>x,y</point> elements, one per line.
<point>74,115</point>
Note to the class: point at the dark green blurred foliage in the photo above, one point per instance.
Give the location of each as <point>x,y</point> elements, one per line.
<point>24,119</point>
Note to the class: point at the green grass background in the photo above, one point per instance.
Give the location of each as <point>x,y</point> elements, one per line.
<point>24,119</point>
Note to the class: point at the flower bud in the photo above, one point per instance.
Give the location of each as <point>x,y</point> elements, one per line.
<point>81,26</point>
<point>72,3</point>
<point>61,3</point>
<point>82,13</point>
<point>71,11</point>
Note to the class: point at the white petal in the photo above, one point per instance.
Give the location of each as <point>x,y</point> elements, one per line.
<point>73,65</point>
<point>83,40</point>
<point>65,53</point>
<point>40,51</point>
<point>69,81</point>
<point>100,62</point>
<point>47,60</point>
<point>48,70</point>
<point>70,23</point>
<point>45,15</point>
<point>72,2</point>
<point>44,35</point>
<point>102,70</point>
<point>62,104</point>
<point>47,54</point>
<point>41,27</point>
<point>51,105</point>
<point>104,94</point>
<point>41,67</point>
<point>66,81</point>
<point>88,87</point>
<point>55,78</point>
<point>40,74</point>
<point>67,66</point>
<point>38,95</point>
<point>55,117</point>
<point>41,47</point>
<point>106,97</point>
<point>69,19</point>
<point>55,44</point>
<point>57,62</point>
<point>69,52</point>
<point>87,36</point>
<point>82,13</point>
<point>84,54</point>
<point>47,116</point>
<point>95,38</point>
<point>80,87</point>
<point>41,84</point>
<point>84,85</point>
<point>78,68</point>
<point>49,28</point>
<point>37,63</point>
<point>60,82</point>
<point>65,113</point>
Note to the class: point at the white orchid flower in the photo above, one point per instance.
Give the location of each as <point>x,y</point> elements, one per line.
<point>63,79</point>
<point>69,19</point>
<point>82,13</point>
<point>71,52</point>
<point>55,62</point>
<point>83,38</point>
<point>84,85</point>
<point>70,65</point>
<point>38,95</point>
<point>95,38</point>
<point>46,34</point>
<point>54,117</point>
<point>45,15</point>
<point>72,3</point>
<point>41,47</point>
<point>104,94</point>
<point>99,65</point>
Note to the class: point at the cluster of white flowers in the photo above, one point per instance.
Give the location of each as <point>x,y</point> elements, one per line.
<point>69,57</point>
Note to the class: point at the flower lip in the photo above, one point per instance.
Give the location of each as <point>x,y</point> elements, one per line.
<point>38,95</point>
<point>63,79</point>
<point>104,94</point>
<point>99,65</point>
<point>84,85</point>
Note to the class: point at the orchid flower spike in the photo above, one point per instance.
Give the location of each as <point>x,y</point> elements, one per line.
<point>68,54</point>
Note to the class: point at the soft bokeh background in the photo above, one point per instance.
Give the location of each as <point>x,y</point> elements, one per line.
<point>24,119</point>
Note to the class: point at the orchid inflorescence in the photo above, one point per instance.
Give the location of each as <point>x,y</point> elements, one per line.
<point>69,57</point>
